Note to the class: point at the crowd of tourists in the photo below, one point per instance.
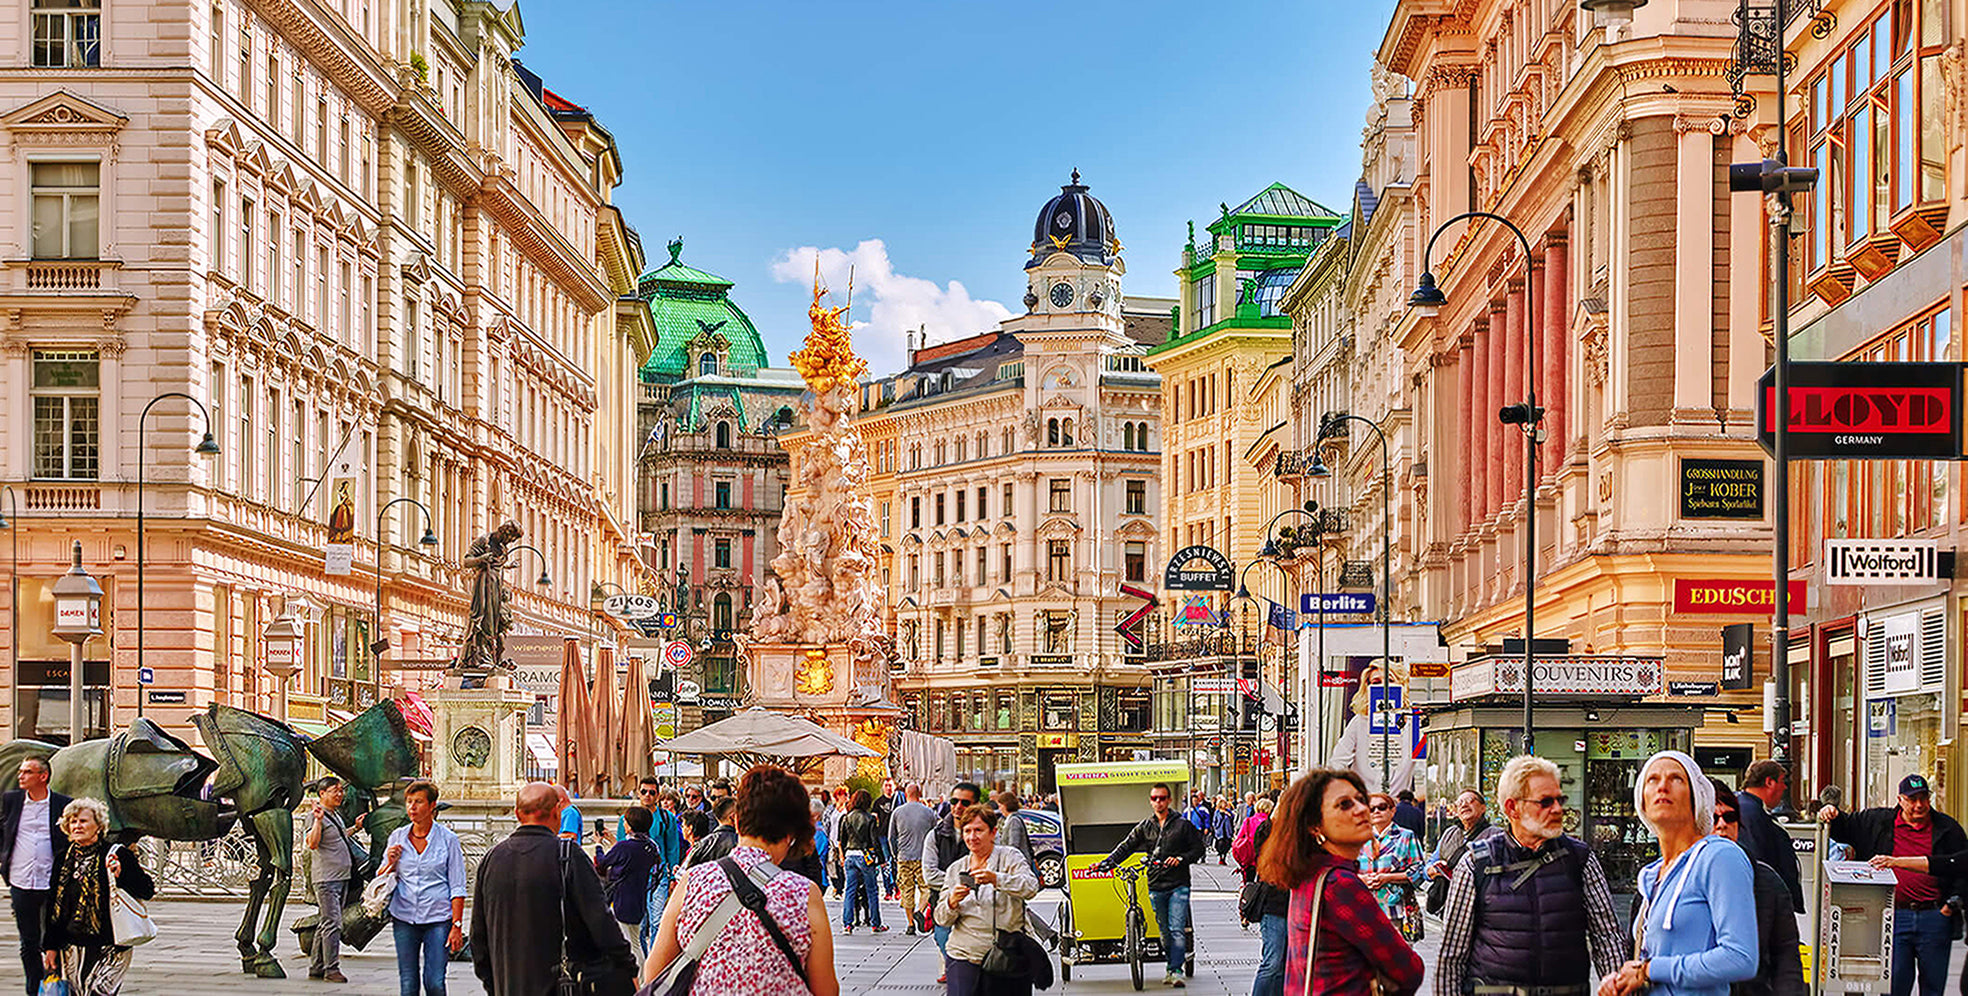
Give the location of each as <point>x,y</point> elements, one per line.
<point>721,887</point>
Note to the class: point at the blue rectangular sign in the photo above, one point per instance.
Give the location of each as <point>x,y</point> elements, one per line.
<point>1336,603</point>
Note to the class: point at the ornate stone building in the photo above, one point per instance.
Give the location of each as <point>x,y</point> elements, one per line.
<point>1604,142</point>
<point>376,250</point>
<point>1014,478</point>
<point>714,475</point>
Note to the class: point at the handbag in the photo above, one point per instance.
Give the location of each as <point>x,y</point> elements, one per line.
<point>54,985</point>
<point>376,895</point>
<point>593,979</point>
<point>1250,899</point>
<point>129,922</point>
<point>1005,959</point>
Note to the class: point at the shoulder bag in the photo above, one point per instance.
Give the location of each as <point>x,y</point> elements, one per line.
<point>585,980</point>
<point>1006,959</point>
<point>753,898</point>
<point>129,921</point>
<point>681,974</point>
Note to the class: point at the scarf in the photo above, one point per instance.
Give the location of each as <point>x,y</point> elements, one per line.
<point>79,897</point>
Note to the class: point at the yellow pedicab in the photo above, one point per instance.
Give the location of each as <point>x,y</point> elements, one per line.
<point>1107,917</point>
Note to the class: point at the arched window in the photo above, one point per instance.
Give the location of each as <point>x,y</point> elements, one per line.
<point>721,612</point>
<point>1066,433</point>
<point>1052,432</point>
<point>1127,435</point>
<point>707,365</point>
<point>724,435</point>
<point>1141,436</point>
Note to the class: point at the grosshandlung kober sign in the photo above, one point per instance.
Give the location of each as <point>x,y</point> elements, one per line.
<point>1866,411</point>
<point>1578,675</point>
<point>1870,561</point>
<point>1183,576</point>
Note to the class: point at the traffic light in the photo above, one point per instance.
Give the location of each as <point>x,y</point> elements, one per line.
<point>1520,414</point>
<point>1770,177</point>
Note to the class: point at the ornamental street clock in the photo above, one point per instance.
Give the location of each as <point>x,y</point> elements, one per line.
<point>1062,294</point>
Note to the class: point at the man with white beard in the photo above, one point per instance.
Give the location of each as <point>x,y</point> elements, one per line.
<point>1525,907</point>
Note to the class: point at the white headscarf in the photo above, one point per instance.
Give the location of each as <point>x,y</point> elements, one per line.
<point>1700,789</point>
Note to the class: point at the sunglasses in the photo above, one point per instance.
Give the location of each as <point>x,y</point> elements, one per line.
<point>649,791</point>
<point>1381,807</point>
<point>1158,798</point>
<point>1548,802</point>
<point>1350,803</point>
<point>1728,816</point>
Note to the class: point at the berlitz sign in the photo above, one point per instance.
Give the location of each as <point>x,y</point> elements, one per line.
<point>1869,561</point>
<point>1733,597</point>
<point>1866,411</point>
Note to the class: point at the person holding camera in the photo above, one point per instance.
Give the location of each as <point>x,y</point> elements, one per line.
<point>991,886</point>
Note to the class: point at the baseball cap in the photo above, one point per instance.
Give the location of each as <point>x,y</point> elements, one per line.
<point>1915,785</point>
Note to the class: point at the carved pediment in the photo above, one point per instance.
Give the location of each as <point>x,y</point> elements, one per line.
<point>62,111</point>
<point>1136,529</point>
<point>416,270</point>
<point>1057,527</point>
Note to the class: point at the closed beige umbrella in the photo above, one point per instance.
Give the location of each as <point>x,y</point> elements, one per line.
<point>607,743</point>
<point>575,741</point>
<point>634,753</point>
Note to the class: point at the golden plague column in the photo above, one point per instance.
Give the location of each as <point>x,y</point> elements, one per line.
<point>816,645</point>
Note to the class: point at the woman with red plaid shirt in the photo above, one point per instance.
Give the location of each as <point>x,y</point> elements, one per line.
<point>1322,822</point>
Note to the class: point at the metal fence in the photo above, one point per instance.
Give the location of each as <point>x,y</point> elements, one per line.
<point>224,868</point>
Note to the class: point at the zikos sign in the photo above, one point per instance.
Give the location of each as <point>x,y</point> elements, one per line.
<point>1866,411</point>
<point>1732,597</point>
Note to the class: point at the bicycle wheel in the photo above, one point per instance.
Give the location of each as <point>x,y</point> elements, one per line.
<point>1067,952</point>
<point>1137,930</point>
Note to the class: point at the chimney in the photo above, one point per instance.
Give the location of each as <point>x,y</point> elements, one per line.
<point>914,339</point>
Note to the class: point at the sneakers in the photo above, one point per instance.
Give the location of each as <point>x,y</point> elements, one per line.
<point>910,930</point>
<point>1174,979</point>
<point>879,929</point>
<point>847,928</point>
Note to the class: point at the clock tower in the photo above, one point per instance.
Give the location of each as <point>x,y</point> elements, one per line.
<point>1075,264</point>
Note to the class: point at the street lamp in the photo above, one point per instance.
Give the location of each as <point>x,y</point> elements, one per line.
<point>283,650</point>
<point>1329,426</point>
<point>206,447</point>
<point>1427,301</point>
<point>543,580</point>
<point>430,540</point>
<point>1308,696</point>
<point>13,579</point>
<point>1269,557</point>
<point>78,619</point>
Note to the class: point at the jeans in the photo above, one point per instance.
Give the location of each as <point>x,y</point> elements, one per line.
<point>652,917</point>
<point>887,866</point>
<point>28,904</point>
<point>1270,979</point>
<point>863,885</point>
<point>327,954</point>
<point>421,943</point>
<point>1920,937</point>
<point>1172,916</point>
<point>942,937</point>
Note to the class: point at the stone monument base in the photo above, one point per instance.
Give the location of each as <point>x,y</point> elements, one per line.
<point>478,749</point>
<point>814,680</point>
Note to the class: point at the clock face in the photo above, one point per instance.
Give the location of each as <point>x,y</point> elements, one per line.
<point>1062,295</point>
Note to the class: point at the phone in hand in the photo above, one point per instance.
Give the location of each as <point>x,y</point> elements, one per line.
<point>967,880</point>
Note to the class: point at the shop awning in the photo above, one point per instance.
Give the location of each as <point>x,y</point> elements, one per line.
<point>337,717</point>
<point>542,750</point>
<point>311,729</point>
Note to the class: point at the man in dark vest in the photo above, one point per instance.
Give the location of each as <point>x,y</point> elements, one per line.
<point>1530,912</point>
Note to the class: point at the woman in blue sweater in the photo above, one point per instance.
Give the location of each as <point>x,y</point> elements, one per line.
<point>1697,927</point>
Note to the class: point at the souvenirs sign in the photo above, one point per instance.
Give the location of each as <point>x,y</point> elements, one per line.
<point>1721,489</point>
<point>1586,675</point>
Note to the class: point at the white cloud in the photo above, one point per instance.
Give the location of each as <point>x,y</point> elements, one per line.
<point>888,304</point>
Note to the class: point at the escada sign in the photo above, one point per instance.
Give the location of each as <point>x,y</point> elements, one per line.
<point>1863,410</point>
<point>1726,595</point>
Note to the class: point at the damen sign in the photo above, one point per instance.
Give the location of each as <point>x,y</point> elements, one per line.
<point>1866,411</point>
<point>1183,574</point>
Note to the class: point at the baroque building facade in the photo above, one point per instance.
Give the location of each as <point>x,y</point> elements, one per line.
<point>713,473</point>
<point>1013,474</point>
<point>380,254</point>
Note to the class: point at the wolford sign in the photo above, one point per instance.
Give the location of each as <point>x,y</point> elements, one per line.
<point>1866,411</point>
<point>1577,675</point>
<point>1732,597</point>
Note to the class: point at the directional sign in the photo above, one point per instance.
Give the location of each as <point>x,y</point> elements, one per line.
<point>631,606</point>
<point>677,653</point>
<point>1129,627</point>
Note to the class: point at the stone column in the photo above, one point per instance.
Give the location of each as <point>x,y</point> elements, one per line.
<point>1466,459</point>
<point>1513,386</point>
<point>1494,441</point>
<point>1478,434</point>
<point>1554,313</point>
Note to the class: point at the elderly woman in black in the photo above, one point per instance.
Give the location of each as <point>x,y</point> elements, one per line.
<point>76,938</point>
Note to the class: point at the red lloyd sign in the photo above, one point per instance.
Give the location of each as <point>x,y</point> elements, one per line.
<point>1862,410</point>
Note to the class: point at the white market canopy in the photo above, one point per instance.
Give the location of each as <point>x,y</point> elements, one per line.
<point>761,733</point>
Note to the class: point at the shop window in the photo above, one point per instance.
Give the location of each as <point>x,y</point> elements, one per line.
<point>67,403</point>
<point>980,713</point>
<point>1132,711</point>
<point>1060,710</point>
<point>1004,711</point>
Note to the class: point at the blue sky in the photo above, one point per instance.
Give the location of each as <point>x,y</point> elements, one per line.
<point>918,140</point>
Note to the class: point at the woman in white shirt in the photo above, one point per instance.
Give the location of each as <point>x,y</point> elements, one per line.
<point>428,907</point>
<point>991,886</point>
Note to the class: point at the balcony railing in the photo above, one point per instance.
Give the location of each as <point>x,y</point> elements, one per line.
<point>64,276</point>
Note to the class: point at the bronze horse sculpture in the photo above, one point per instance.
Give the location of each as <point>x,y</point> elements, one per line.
<point>157,786</point>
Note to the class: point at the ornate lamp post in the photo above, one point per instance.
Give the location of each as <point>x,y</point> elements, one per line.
<point>206,447</point>
<point>430,540</point>
<point>1308,696</point>
<point>1427,300</point>
<point>284,638</point>
<point>78,619</point>
<point>1330,426</point>
<point>544,580</point>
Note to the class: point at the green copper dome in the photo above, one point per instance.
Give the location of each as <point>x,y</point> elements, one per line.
<point>692,310</point>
